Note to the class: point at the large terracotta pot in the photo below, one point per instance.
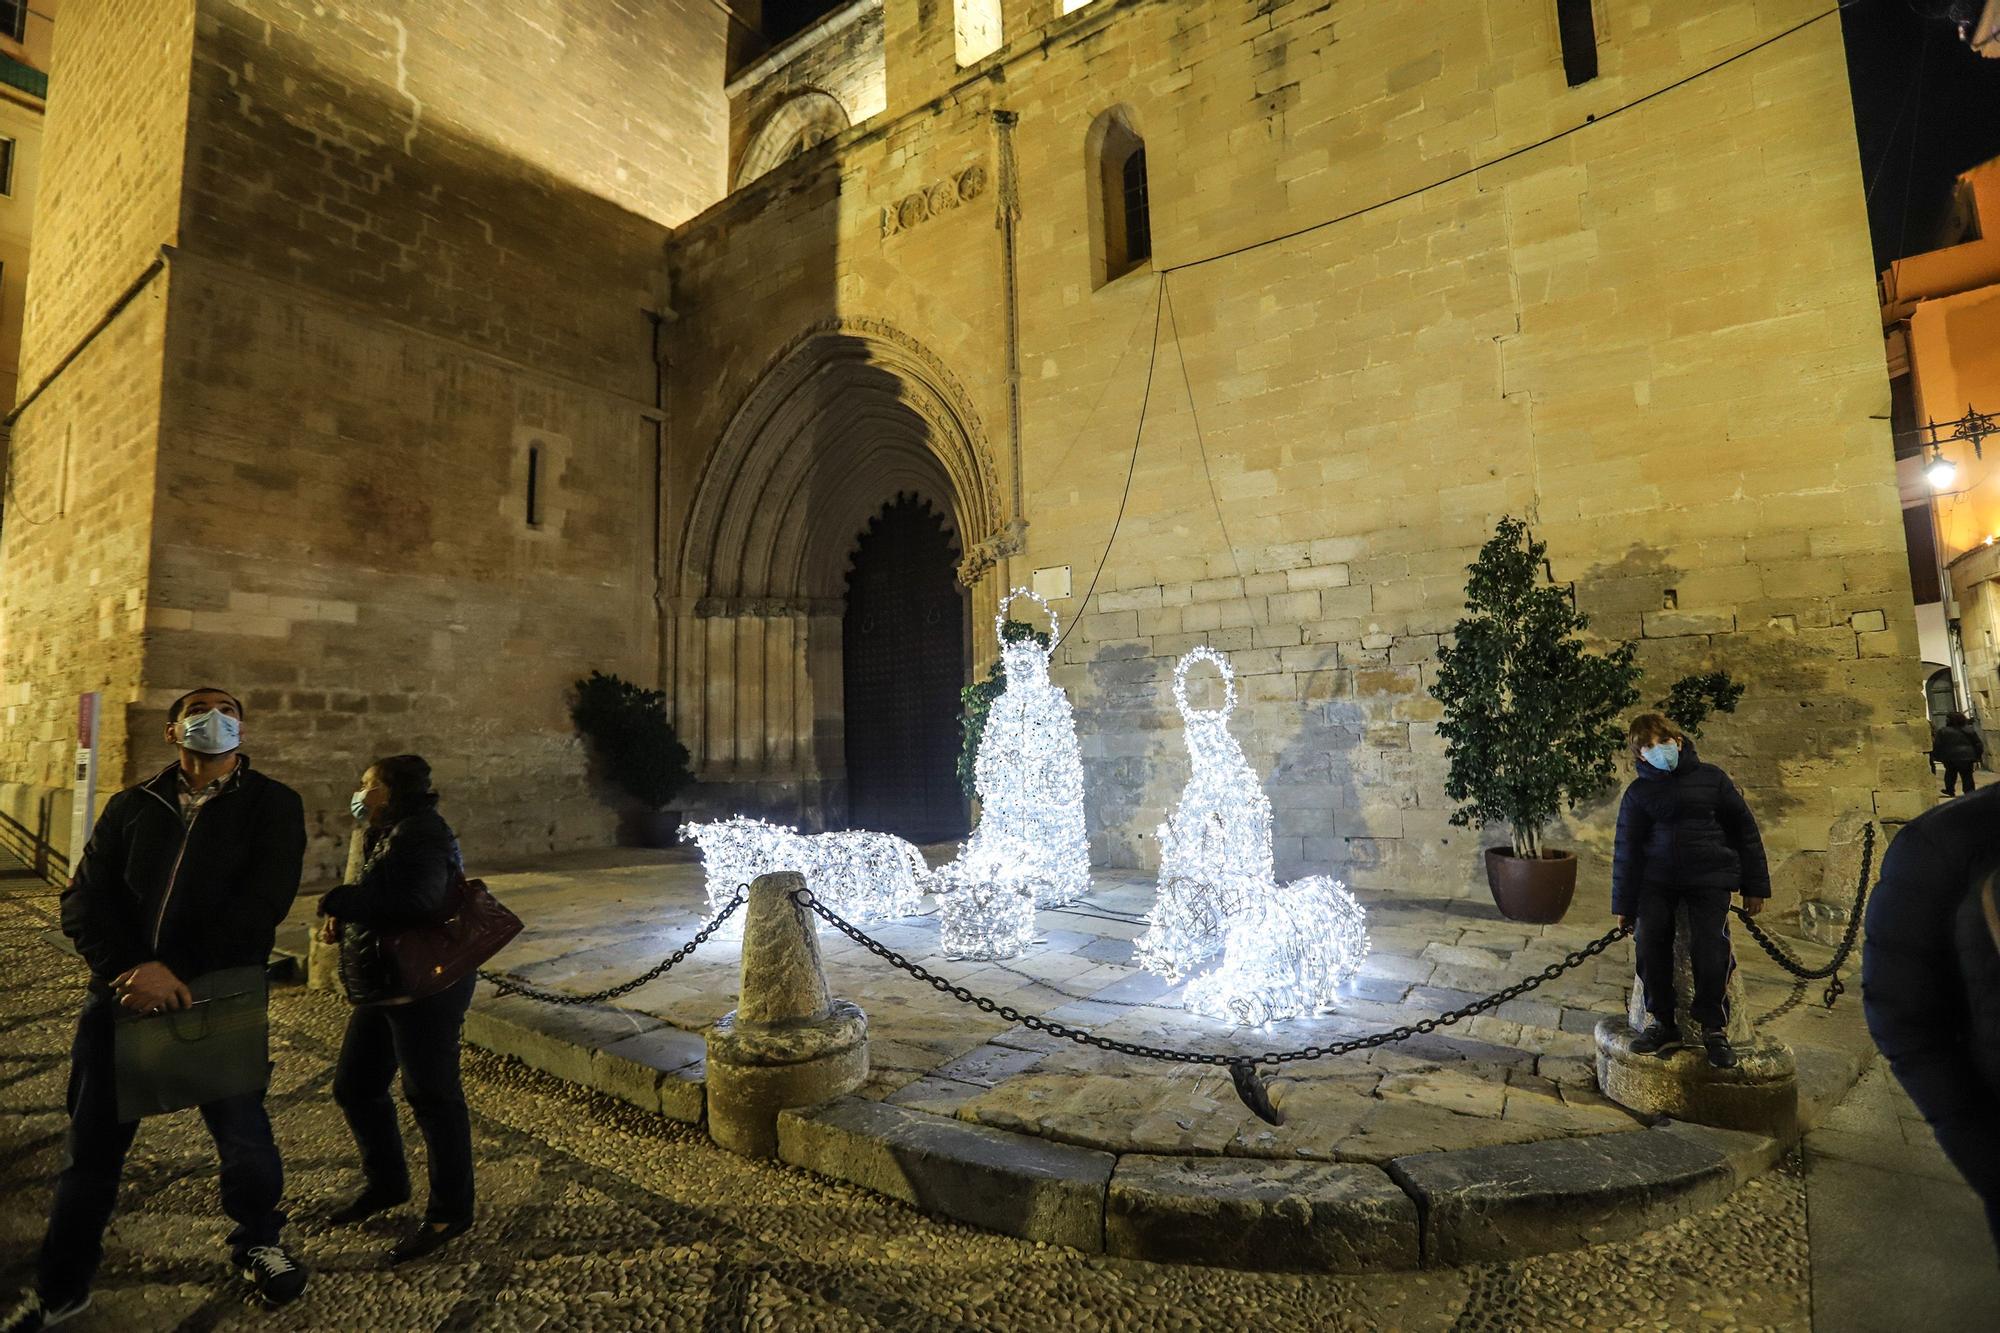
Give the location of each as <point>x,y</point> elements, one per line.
<point>1529,888</point>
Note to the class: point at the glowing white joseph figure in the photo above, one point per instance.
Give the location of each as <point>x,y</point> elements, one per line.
<point>1029,849</point>
<point>1285,949</point>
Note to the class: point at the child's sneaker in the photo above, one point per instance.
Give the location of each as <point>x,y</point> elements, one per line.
<point>1658,1039</point>
<point>1720,1053</point>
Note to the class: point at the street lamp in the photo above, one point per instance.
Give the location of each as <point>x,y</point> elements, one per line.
<point>1940,472</point>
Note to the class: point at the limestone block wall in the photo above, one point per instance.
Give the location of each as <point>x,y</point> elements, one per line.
<point>1614,333</point>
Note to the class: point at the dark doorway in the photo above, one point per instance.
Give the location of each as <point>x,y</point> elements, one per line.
<point>903,664</point>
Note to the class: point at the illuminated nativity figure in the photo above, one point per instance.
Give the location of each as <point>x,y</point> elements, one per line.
<point>1029,849</point>
<point>1284,949</point>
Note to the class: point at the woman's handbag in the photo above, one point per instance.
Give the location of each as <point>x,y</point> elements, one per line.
<point>429,958</point>
<point>217,1047</point>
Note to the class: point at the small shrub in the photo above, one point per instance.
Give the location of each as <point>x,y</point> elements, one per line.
<point>631,739</point>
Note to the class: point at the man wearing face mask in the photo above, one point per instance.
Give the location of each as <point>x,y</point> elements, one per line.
<point>1685,837</point>
<point>188,872</point>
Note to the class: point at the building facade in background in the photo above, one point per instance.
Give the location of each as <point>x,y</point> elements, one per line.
<point>26,36</point>
<point>1941,316</point>
<point>458,348</point>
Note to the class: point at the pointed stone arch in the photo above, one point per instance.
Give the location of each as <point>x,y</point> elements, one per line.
<point>802,121</point>
<point>847,415</point>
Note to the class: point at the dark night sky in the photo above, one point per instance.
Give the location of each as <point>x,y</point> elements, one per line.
<point>1926,107</point>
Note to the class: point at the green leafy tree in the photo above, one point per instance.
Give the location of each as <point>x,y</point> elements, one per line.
<point>1691,699</point>
<point>977,699</point>
<point>1530,714</point>
<point>629,735</point>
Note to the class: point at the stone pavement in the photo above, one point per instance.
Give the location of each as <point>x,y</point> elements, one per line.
<point>1480,1141</point>
<point>596,1216</point>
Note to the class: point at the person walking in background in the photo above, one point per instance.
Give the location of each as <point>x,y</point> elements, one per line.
<point>189,872</point>
<point>1685,837</point>
<point>1930,981</point>
<point>1958,746</point>
<point>411,865</point>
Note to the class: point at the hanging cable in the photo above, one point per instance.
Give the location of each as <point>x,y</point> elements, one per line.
<point>1215,497</point>
<point>1132,466</point>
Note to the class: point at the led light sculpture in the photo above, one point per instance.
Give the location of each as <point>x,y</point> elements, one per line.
<point>1284,950</point>
<point>1029,849</point>
<point>863,876</point>
<point>1215,849</point>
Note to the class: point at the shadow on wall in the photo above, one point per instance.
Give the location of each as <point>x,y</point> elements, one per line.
<point>1781,746</point>
<point>1320,819</point>
<point>1132,753</point>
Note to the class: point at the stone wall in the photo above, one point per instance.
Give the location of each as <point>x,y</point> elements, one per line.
<point>840,57</point>
<point>414,244</point>
<point>1614,333</point>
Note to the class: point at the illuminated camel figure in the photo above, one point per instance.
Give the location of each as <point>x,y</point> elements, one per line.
<point>1029,849</point>
<point>862,876</point>
<point>1285,949</point>
<point>1215,849</point>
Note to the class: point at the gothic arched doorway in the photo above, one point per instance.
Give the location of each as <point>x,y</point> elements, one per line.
<point>903,646</point>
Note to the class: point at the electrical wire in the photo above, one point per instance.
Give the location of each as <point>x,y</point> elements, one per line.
<point>1138,434</point>
<point>1215,497</point>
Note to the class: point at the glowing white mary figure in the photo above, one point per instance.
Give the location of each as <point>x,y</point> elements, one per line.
<point>1285,950</point>
<point>1029,849</point>
<point>1215,849</point>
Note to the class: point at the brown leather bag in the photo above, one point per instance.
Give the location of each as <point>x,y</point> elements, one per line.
<point>429,958</point>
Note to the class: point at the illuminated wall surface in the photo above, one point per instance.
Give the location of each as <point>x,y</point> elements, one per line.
<point>414,248</point>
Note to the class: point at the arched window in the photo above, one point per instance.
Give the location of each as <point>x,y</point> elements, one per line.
<point>800,122</point>
<point>1121,214</point>
<point>976,29</point>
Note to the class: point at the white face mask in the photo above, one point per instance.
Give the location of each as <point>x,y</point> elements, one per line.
<point>210,733</point>
<point>357,805</point>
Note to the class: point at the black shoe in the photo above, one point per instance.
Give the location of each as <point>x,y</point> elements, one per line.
<point>426,1239</point>
<point>368,1203</point>
<point>274,1271</point>
<point>1720,1053</point>
<point>1658,1039</point>
<point>31,1315</point>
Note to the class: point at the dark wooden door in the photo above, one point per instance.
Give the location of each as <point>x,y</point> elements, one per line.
<point>903,660</point>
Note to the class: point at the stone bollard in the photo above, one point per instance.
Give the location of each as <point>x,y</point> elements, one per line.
<point>1760,1095</point>
<point>788,1042</point>
<point>322,959</point>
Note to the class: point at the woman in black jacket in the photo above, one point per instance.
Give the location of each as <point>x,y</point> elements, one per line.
<point>1685,836</point>
<point>412,864</point>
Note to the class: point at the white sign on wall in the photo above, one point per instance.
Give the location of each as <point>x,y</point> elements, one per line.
<point>83,806</point>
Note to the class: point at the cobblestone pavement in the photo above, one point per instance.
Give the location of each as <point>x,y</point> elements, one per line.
<point>596,1216</point>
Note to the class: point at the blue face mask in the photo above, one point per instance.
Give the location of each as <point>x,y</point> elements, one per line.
<point>1663,756</point>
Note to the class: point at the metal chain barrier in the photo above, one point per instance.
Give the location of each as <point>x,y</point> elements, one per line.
<point>507,985</point>
<point>1236,1064</point>
<point>1835,987</point>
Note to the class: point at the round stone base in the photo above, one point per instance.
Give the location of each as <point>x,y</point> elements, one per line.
<point>1760,1095</point>
<point>757,1070</point>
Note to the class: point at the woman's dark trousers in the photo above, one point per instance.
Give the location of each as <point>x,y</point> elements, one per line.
<point>421,1039</point>
<point>1957,776</point>
<point>1708,951</point>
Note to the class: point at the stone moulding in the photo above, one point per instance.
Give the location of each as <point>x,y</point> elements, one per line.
<point>939,197</point>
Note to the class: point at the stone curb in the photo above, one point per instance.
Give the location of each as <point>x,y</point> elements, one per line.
<point>633,1057</point>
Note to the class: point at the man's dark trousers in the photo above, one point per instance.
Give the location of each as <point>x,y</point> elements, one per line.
<point>253,1178</point>
<point>1957,777</point>
<point>1708,951</point>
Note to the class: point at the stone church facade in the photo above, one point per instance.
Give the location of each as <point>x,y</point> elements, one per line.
<point>397,365</point>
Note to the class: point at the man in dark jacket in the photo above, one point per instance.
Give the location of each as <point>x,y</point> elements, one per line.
<point>1930,982</point>
<point>1958,746</point>
<point>1685,837</point>
<point>186,873</point>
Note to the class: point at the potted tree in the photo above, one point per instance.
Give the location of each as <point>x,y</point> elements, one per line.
<point>634,750</point>
<point>1530,717</point>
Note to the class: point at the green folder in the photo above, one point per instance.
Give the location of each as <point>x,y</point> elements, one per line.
<point>220,1046</point>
